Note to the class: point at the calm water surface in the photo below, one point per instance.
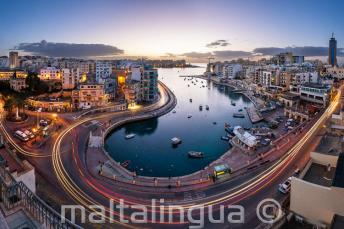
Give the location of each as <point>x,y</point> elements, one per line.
<point>151,153</point>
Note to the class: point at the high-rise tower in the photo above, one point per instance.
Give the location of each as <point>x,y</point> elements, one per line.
<point>332,51</point>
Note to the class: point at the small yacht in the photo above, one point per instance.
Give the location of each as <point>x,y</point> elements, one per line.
<point>233,103</point>
<point>225,138</point>
<point>240,110</point>
<point>189,116</point>
<point>207,107</point>
<point>194,154</point>
<point>176,141</point>
<point>174,111</point>
<point>129,136</point>
<point>200,107</point>
<point>238,115</point>
<point>190,100</point>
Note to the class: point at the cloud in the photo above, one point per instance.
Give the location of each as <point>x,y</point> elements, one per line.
<point>68,49</point>
<point>218,43</point>
<point>231,54</point>
<point>197,54</point>
<point>302,50</point>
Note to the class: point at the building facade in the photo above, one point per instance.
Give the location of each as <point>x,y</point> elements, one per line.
<point>332,51</point>
<point>50,73</point>
<point>88,96</point>
<point>14,60</point>
<point>149,85</point>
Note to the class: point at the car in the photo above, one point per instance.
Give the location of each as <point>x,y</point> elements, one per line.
<point>43,122</point>
<point>20,135</point>
<point>28,133</point>
<point>285,186</point>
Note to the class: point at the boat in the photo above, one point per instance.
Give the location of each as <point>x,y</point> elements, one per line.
<point>189,116</point>
<point>207,107</point>
<point>214,123</point>
<point>200,107</point>
<point>174,112</point>
<point>129,136</point>
<point>238,115</point>
<point>233,103</point>
<point>125,163</point>
<point>240,110</point>
<point>188,85</point>
<point>225,138</point>
<point>190,100</point>
<point>176,141</point>
<point>195,154</point>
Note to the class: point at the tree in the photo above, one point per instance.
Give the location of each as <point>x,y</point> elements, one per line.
<point>35,84</point>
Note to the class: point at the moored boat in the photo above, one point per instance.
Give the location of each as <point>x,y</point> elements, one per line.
<point>129,136</point>
<point>238,115</point>
<point>176,141</point>
<point>195,154</point>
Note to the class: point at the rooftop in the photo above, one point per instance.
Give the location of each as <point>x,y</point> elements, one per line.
<point>318,174</point>
<point>315,85</point>
<point>330,145</point>
<point>337,222</point>
<point>338,180</point>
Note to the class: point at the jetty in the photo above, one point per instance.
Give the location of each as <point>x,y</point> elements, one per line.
<point>254,115</point>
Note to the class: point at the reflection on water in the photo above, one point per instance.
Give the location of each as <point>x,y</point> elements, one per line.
<point>151,153</point>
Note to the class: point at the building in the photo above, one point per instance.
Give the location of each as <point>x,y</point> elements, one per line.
<point>88,96</point>
<point>70,78</point>
<point>6,74</point>
<point>316,93</point>
<point>13,60</point>
<point>4,62</point>
<point>17,83</point>
<point>245,138</point>
<point>316,196</point>
<point>337,121</point>
<point>335,72</point>
<point>231,71</point>
<point>103,71</point>
<point>132,92</point>
<point>149,85</point>
<point>332,51</point>
<point>50,73</point>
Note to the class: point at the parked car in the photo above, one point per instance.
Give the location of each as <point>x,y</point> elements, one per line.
<point>43,122</point>
<point>20,135</point>
<point>28,133</point>
<point>285,187</point>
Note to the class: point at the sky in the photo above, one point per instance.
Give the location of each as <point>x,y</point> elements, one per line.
<point>164,28</point>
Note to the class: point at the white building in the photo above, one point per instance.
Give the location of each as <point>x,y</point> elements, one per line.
<point>230,71</point>
<point>50,73</point>
<point>336,72</point>
<point>136,73</point>
<point>103,71</point>
<point>315,93</point>
<point>4,63</point>
<point>70,78</point>
<point>305,77</point>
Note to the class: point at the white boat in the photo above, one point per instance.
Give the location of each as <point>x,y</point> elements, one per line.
<point>194,154</point>
<point>176,141</point>
<point>129,136</point>
<point>189,116</point>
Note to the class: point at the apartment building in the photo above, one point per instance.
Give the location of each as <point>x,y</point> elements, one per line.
<point>149,85</point>
<point>50,73</point>
<point>70,78</point>
<point>89,95</point>
<point>316,93</point>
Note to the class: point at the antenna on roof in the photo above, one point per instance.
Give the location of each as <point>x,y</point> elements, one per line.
<point>332,34</point>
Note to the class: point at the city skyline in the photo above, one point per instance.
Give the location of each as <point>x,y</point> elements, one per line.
<point>182,29</point>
